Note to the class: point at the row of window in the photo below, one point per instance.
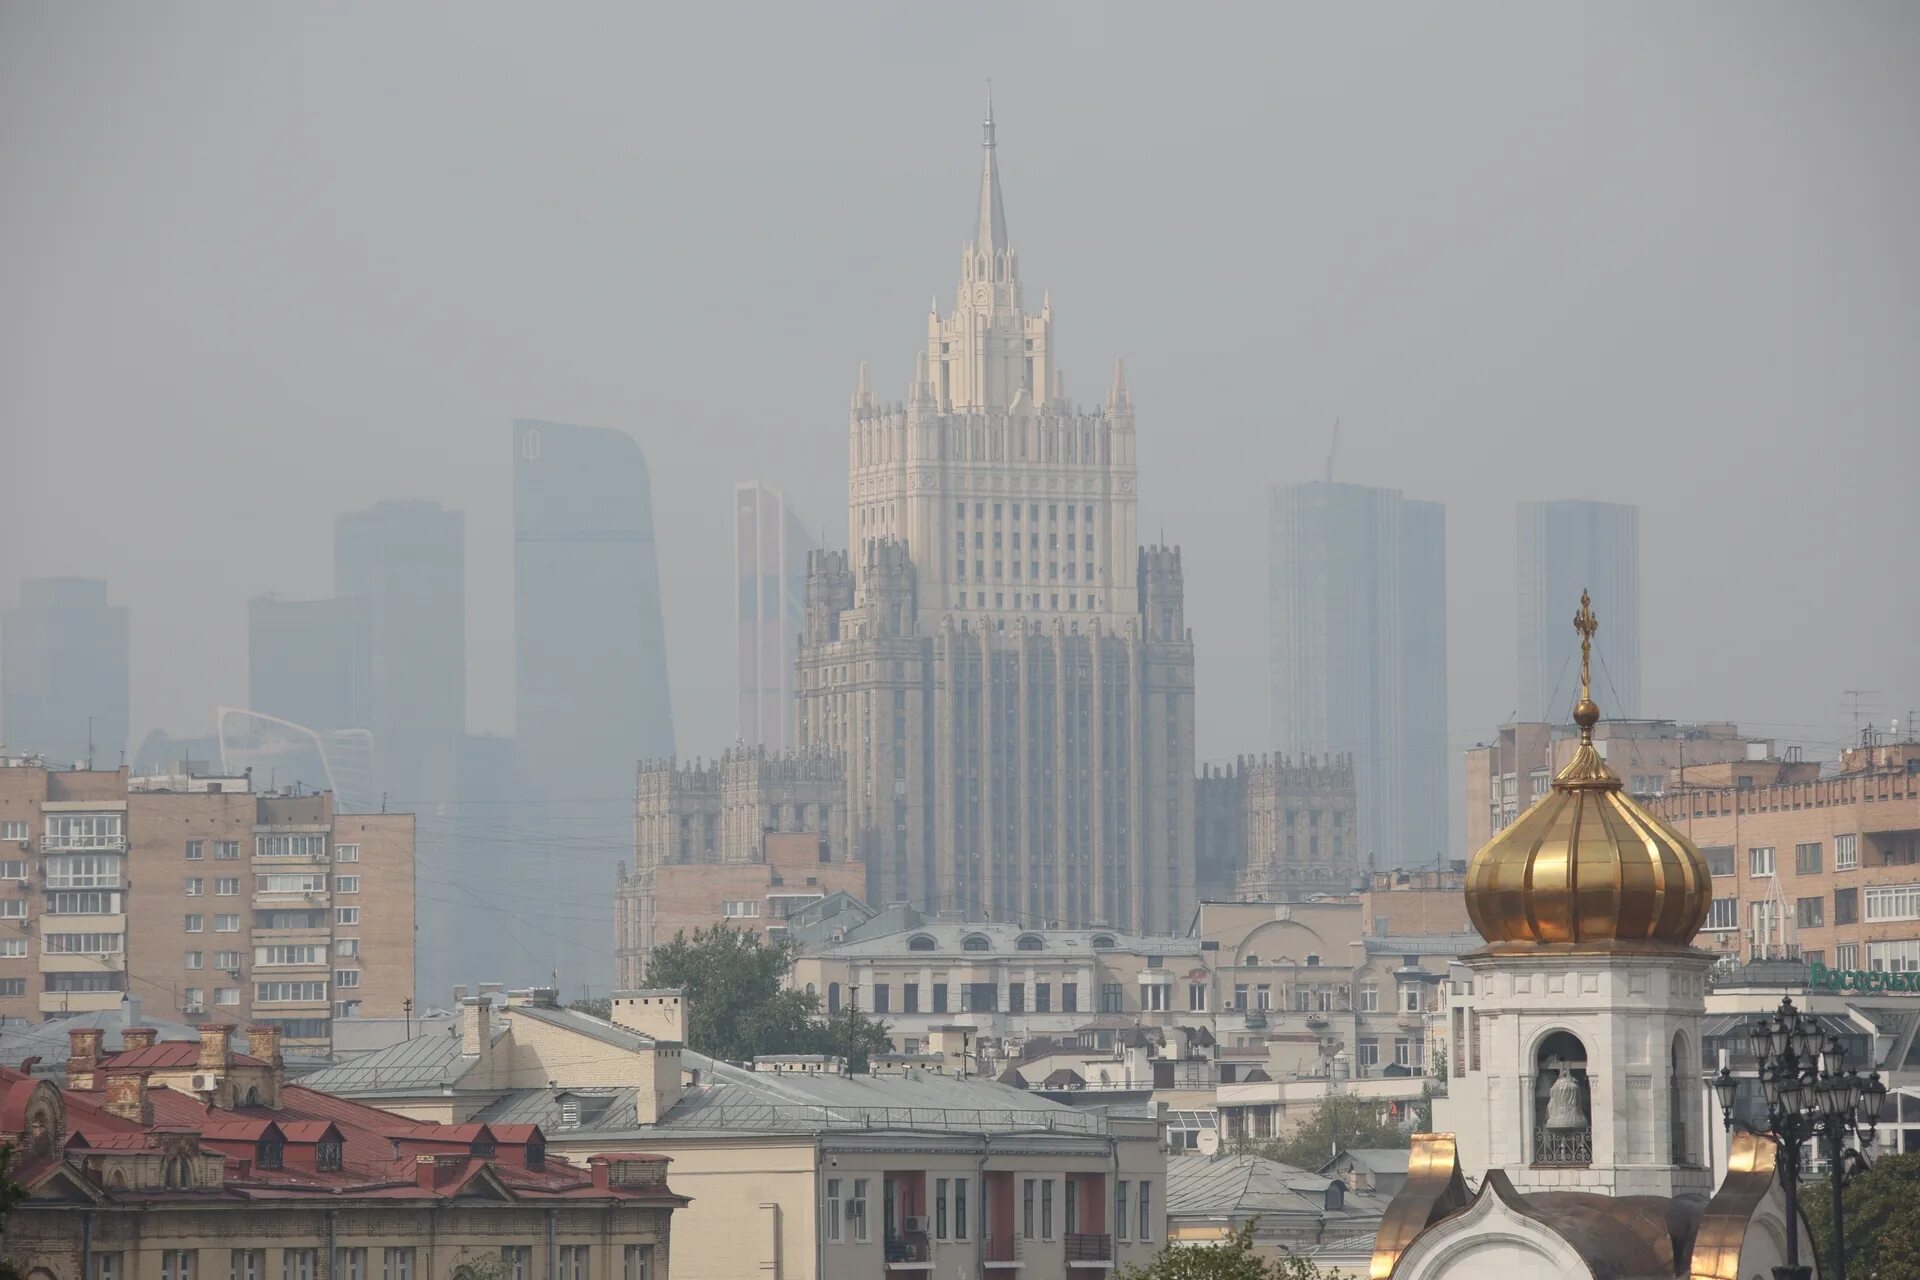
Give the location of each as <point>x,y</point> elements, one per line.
<point>848,1220</point>
<point>1029,601</point>
<point>1033,570</point>
<point>516,1263</point>
<point>1809,857</point>
<point>1882,904</point>
<point>984,997</point>
<point>1033,511</point>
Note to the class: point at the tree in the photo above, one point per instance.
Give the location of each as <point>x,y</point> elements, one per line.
<point>1340,1121</point>
<point>739,1006</point>
<point>1233,1259</point>
<point>600,1007</point>
<point>11,1194</point>
<point>1883,1219</point>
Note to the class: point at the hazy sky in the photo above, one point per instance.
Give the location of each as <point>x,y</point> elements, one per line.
<point>260,264</point>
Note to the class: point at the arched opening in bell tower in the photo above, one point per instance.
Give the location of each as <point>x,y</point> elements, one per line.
<point>1562,1102</point>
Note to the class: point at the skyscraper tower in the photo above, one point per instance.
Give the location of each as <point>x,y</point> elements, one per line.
<point>1006,671</point>
<point>590,672</point>
<point>1565,548</point>
<point>770,550</point>
<point>1358,656</point>
<point>63,673</point>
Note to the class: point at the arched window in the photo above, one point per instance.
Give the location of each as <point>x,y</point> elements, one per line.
<point>1029,942</point>
<point>178,1175</point>
<point>1562,1102</point>
<point>1678,1102</point>
<point>1103,942</point>
<point>920,942</point>
<point>976,942</point>
<point>833,997</point>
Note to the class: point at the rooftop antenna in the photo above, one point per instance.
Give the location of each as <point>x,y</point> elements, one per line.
<point>89,744</point>
<point>1333,447</point>
<point>1853,697</point>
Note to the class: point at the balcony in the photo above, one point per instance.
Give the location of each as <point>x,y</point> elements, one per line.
<point>1410,1020</point>
<point>80,1001</point>
<point>1089,1250</point>
<point>909,1251</point>
<point>1001,1249</point>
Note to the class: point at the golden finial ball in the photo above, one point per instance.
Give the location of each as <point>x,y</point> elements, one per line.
<point>1586,713</point>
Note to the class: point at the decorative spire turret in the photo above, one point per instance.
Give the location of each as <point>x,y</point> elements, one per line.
<point>1586,713</point>
<point>990,236</point>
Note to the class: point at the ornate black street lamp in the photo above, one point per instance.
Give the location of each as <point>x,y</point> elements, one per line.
<point>1813,1097</point>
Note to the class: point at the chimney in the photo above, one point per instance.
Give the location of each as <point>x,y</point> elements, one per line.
<point>659,1013</point>
<point>476,1037</point>
<point>460,994</point>
<point>134,1039</point>
<point>433,1172</point>
<point>214,1052</point>
<point>263,1042</point>
<point>127,1096</point>
<point>600,1169</point>
<point>83,1058</point>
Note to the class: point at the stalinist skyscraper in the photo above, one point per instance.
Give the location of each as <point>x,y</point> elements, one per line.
<point>1006,670</point>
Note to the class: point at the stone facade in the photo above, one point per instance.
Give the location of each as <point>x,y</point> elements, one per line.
<point>1274,830</point>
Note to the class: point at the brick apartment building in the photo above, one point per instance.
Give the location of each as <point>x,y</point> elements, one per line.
<point>1825,865</point>
<point>205,896</point>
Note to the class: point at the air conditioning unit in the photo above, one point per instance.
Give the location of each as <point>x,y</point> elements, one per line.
<point>206,1081</point>
<point>25,845</point>
<point>916,1226</point>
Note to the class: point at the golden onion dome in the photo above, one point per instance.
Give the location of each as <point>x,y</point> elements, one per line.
<point>1586,865</point>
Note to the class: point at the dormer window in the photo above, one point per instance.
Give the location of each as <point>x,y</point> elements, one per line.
<point>1030,942</point>
<point>536,1155</point>
<point>920,942</point>
<point>178,1174</point>
<point>976,942</point>
<point>270,1152</point>
<point>570,1112</point>
<point>483,1148</point>
<point>328,1155</point>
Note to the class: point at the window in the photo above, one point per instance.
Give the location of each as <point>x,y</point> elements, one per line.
<point>327,1155</point>
<point>1893,902</point>
<point>1719,858</point>
<point>1846,906</point>
<point>1046,1208</point>
<point>940,1209</point>
<point>1112,997</point>
<point>346,946</point>
<point>91,902</point>
<point>1894,957</point>
<point>193,959</point>
<point>976,942</point>
<point>1810,913</point>
<point>734,909</point>
<point>1146,1215</point>
<point>1846,955</point>
<point>516,1263</point>
<point>1369,997</point>
<point>85,831</point>
<point>196,923</point>
<point>227,887</point>
<point>1263,996</point>
<point>1806,859</point>
<point>1197,997</point>
<point>346,977</point>
<point>959,1208</point>
<point>299,953</point>
<point>291,845</point>
<point>351,884</point>
<point>882,998</point>
<point>296,1264</point>
<point>194,1000</point>
<point>1043,997</point>
<point>346,853</point>
<point>1069,997</point>
<point>1724,914</point>
<point>228,960</point>
<point>1403,1051</point>
<point>196,850</point>
<point>857,1210</point>
<point>229,851</point>
<point>346,915</point>
<point>1410,998</point>
<point>13,869</point>
<point>83,871</point>
<point>1368,1054</point>
<point>196,887</point>
<point>281,992</point>
<point>226,924</point>
<point>13,831</point>
<point>939,997</point>
<point>1846,852</point>
<point>179,1264</point>
<point>1120,1223</point>
<point>1760,860</point>
<point>229,996</point>
<point>1026,1208</point>
<point>637,1262</point>
<point>833,1211</point>
<point>13,986</point>
<point>290,882</point>
<point>573,1262</point>
<point>13,909</point>
<point>13,948</point>
<point>89,944</point>
<point>246,1264</point>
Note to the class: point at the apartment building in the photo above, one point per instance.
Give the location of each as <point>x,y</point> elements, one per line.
<point>796,1168</point>
<point>1276,829</point>
<point>1506,776</point>
<point>203,896</point>
<point>1825,865</point>
<point>185,1160</point>
<point>795,870</point>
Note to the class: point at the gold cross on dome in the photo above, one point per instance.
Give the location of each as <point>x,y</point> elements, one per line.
<point>1586,623</point>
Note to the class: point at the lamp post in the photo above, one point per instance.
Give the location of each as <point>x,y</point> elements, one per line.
<point>1813,1098</point>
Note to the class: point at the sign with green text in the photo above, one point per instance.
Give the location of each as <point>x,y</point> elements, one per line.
<point>1819,976</point>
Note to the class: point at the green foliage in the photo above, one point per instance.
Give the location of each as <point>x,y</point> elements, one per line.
<point>1882,1209</point>
<point>1340,1120</point>
<point>11,1194</point>
<point>598,1006</point>
<point>738,1006</point>
<point>1234,1259</point>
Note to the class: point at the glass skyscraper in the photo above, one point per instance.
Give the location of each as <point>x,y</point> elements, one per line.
<point>1567,547</point>
<point>63,673</point>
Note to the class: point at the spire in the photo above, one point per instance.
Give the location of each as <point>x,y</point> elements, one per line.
<point>862,392</point>
<point>991,236</point>
<point>1119,397</point>
<point>1585,713</point>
